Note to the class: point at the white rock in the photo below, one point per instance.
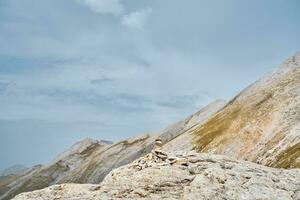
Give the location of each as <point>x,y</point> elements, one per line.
<point>206,178</point>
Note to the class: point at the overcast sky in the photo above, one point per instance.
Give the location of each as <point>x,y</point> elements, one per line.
<point>110,69</point>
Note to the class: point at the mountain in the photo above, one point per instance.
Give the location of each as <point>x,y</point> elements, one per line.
<point>9,175</point>
<point>89,161</point>
<point>262,123</point>
<point>184,141</point>
<point>14,170</point>
<point>192,176</point>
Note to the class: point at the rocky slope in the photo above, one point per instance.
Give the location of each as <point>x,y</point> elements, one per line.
<point>9,175</point>
<point>42,176</point>
<point>89,161</point>
<point>262,123</point>
<point>184,141</point>
<point>183,176</point>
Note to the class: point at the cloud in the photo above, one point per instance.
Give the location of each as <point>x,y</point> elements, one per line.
<point>114,7</point>
<point>100,81</point>
<point>3,86</point>
<point>183,101</point>
<point>96,64</point>
<point>136,19</point>
<point>133,20</point>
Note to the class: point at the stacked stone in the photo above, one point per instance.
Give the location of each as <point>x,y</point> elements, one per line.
<point>157,150</point>
<point>158,157</point>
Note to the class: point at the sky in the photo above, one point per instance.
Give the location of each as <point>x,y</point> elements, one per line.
<point>112,69</point>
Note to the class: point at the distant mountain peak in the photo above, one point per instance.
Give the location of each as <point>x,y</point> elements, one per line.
<point>16,169</point>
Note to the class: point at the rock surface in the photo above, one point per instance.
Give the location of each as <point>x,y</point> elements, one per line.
<point>202,176</point>
<point>89,161</point>
<point>262,123</point>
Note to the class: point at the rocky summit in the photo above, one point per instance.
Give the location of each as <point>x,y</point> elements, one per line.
<point>183,175</point>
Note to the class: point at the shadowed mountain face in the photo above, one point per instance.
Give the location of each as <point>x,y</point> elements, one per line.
<point>262,123</point>
<point>89,161</point>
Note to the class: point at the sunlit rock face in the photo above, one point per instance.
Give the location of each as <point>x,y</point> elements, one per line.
<point>262,123</point>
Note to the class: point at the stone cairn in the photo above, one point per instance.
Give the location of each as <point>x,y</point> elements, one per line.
<point>158,157</point>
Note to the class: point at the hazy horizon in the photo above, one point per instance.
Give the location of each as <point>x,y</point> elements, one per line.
<point>111,69</point>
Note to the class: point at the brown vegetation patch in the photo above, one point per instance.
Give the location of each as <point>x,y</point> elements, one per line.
<point>288,158</point>
<point>227,125</point>
<point>214,128</point>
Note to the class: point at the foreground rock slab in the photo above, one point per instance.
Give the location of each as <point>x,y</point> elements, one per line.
<point>183,175</point>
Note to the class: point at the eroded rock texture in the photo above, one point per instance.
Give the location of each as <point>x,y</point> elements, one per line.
<point>193,176</point>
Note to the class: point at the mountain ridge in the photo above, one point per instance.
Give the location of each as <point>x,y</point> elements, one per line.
<point>260,121</point>
<point>89,161</point>
<point>261,124</point>
<point>16,169</point>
